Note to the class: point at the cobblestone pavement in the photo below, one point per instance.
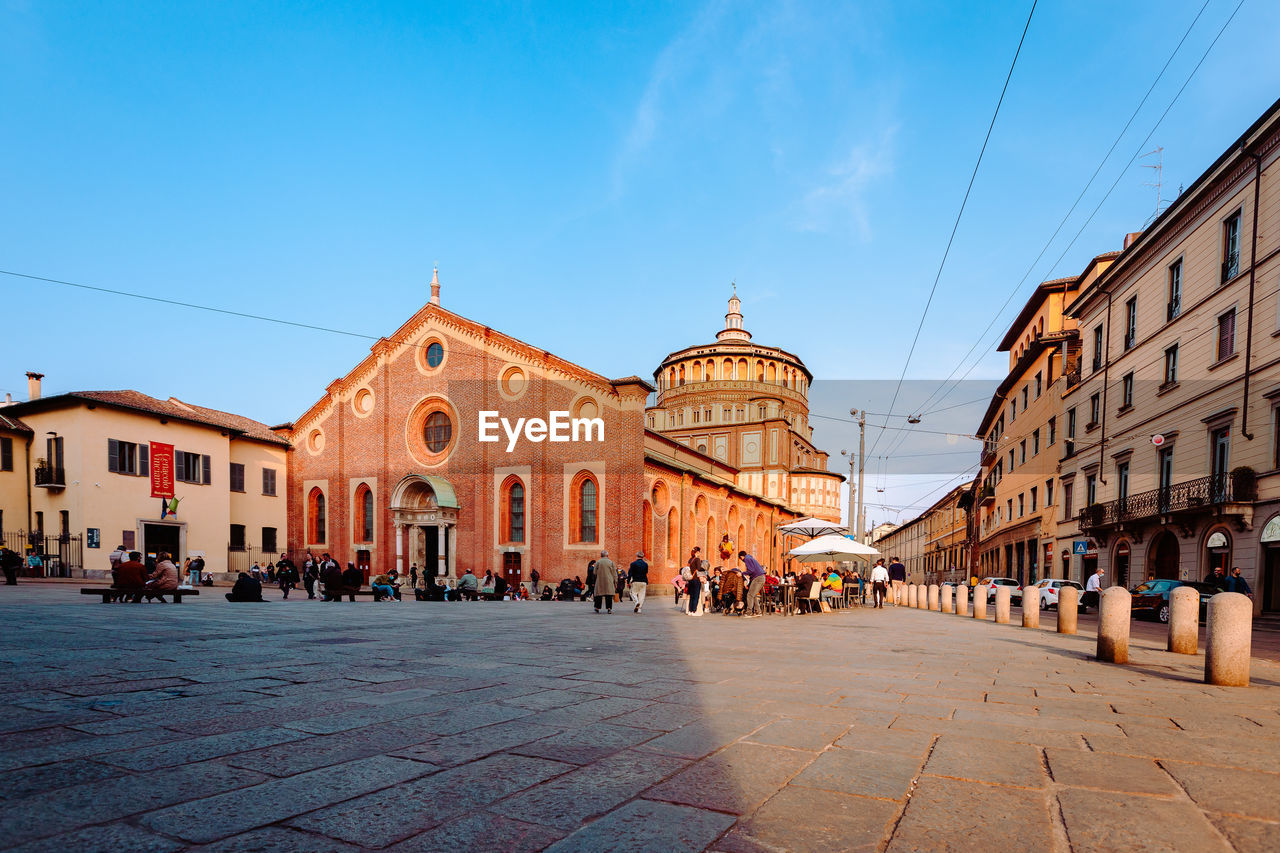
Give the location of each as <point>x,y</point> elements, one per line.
<point>530,726</point>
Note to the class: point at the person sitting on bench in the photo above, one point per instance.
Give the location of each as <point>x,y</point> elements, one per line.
<point>331,578</point>
<point>246,589</point>
<point>382,588</point>
<point>468,586</point>
<point>352,580</point>
<point>131,574</point>
<point>163,579</point>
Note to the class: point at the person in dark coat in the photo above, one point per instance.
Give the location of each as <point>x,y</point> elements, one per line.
<point>352,580</point>
<point>1236,583</point>
<point>589,589</point>
<point>331,579</point>
<point>10,561</point>
<point>246,589</point>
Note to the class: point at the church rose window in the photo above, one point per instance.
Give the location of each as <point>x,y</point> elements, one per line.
<point>435,354</point>
<point>438,430</point>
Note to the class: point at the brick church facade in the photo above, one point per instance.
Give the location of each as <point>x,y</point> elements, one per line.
<point>388,470</point>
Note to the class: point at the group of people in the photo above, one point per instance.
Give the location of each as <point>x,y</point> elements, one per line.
<point>136,582</point>
<point>1233,582</point>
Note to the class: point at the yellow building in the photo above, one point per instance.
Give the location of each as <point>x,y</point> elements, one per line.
<point>1174,466</point>
<point>88,479</point>
<point>934,545</point>
<point>747,405</point>
<point>1015,520</point>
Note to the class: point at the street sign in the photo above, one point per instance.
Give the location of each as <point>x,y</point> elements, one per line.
<point>1080,546</point>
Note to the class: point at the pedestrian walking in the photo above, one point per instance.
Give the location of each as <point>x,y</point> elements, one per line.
<point>898,580</point>
<point>754,573</point>
<point>879,583</point>
<point>535,578</point>
<point>413,575</point>
<point>1092,591</point>
<point>606,585</point>
<point>638,573</point>
<point>1236,583</point>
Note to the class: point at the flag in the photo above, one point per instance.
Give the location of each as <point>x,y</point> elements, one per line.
<point>168,507</point>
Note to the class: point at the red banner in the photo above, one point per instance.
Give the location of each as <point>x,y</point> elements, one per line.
<point>161,470</point>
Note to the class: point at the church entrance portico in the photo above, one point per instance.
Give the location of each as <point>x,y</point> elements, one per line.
<point>424,510</point>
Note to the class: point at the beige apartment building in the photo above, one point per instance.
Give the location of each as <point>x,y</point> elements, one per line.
<point>1014,523</point>
<point>84,486</point>
<point>1173,466</point>
<point>906,542</point>
<point>933,545</point>
<point>946,543</point>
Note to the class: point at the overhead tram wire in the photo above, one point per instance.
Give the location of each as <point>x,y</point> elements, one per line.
<point>1106,157</point>
<point>959,214</point>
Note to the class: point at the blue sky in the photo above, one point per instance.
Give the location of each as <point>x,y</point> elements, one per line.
<point>589,177</point>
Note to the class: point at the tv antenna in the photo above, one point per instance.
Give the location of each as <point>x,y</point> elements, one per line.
<point>1158,183</point>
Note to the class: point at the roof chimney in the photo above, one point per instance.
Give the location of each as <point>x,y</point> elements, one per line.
<point>1131,238</point>
<point>435,286</point>
<point>33,385</point>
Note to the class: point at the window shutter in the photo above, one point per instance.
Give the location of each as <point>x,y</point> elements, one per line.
<point>144,461</point>
<point>113,455</point>
<point>180,466</point>
<point>208,470</point>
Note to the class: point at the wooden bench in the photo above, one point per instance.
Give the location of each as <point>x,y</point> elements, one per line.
<point>111,593</point>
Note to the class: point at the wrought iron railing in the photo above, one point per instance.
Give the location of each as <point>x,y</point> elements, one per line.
<point>47,475</point>
<point>1205,492</point>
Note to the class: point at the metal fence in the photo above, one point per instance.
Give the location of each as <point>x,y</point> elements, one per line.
<point>242,558</point>
<point>59,555</point>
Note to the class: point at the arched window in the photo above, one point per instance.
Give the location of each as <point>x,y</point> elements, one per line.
<point>512,510</point>
<point>364,513</point>
<point>585,496</point>
<point>315,517</point>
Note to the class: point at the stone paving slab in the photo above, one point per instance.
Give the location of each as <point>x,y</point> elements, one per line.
<point>304,728</point>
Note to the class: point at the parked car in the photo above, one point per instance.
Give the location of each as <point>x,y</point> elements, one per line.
<point>1152,597</point>
<point>1048,591</point>
<point>990,584</point>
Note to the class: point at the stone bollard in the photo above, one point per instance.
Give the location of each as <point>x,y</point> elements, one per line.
<point>1068,609</point>
<point>948,601</point>
<point>912,592</point>
<point>935,603</point>
<point>962,601</point>
<point>922,597</point>
<point>979,602</point>
<point>1030,607</point>
<point>1003,596</point>
<point>1184,620</point>
<point>1113,625</point>
<point>1227,641</point>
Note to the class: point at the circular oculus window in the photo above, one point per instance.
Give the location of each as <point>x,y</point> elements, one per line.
<point>362,403</point>
<point>315,440</point>
<point>513,382</point>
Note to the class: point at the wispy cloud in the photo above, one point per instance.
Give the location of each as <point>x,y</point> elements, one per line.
<point>839,199</point>
<point>673,63</point>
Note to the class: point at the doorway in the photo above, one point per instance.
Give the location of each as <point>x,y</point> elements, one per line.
<point>1270,591</point>
<point>161,537</point>
<point>430,550</point>
<point>511,568</point>
<point>1120,565</point>
<point>362,563</point>
<point>1164,557</point>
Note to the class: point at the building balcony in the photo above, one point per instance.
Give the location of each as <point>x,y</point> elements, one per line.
<point>1073,378</point>
<point>49,477</point>
<point>1179,503</point>
<point>986,496</point>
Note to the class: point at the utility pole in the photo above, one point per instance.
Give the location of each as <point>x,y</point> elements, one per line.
<point>857,517</point>
<point>862,464</point>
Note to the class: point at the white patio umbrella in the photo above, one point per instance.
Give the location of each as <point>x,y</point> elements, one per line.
<point>831,548</point>
<point>811,527</point>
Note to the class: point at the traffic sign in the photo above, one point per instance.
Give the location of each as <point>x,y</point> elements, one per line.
<point>1157,439</point>
<point>1080,546</point>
